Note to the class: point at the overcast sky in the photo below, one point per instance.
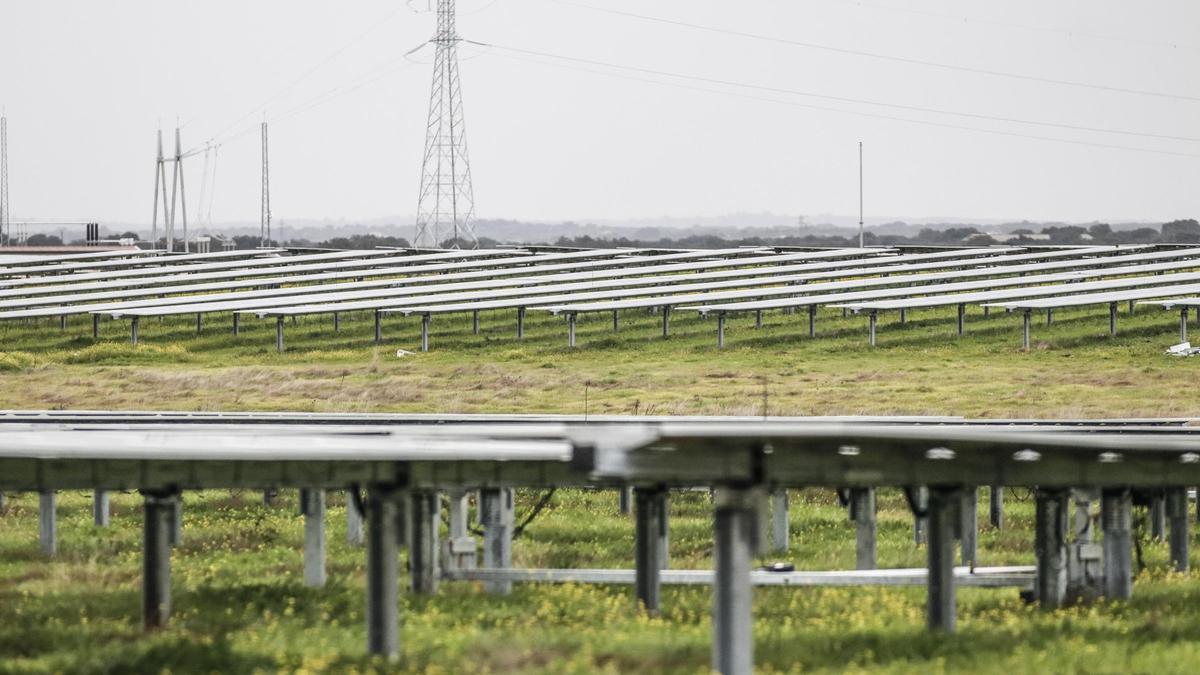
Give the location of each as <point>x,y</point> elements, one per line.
<point>86,83</point>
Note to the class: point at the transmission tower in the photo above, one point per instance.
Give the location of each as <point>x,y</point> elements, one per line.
<point>4,216</point>
<point>446,203</point>
<point>265,221</point>
<point>177,191</point>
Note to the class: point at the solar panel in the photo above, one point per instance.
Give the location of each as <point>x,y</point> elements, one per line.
<point>61,265</point>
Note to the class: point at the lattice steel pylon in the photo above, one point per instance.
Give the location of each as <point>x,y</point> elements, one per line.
<point>5,220</point>
<point>265,218</point>
<point>446,202</point>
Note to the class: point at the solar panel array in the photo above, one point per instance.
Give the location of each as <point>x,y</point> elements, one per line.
<point>726,282</point>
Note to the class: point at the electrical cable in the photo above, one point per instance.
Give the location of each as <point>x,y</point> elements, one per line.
<point>875,55</point>
<point>842,99</point>
<point>809,106</point>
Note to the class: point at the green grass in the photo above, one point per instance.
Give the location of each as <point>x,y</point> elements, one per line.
<point>240,605</point>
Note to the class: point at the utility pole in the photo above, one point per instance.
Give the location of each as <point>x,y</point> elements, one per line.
<point>160,186</point>
<point>861,237</point>
<point>265,219</point>
<point>446,201</point>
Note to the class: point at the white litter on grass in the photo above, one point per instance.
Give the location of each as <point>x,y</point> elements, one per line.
<point>401,353</point>
<point>1183,349</point>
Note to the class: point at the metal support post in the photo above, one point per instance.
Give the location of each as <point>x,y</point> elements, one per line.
<point>62,322</point>
<point>872,320</point>
<point>133,330</point>
<point>812,321</point>
<point>378,327</point>
<point>312,506</point>
<point>100,508</point>
<point>496,515</point>
<point>237,323</point>
<point>1177,516</point>
<point>970,526</point>
<point>996,506</point>
<point>460,545</point>
<point>940,603</point>
<point>863,503</point>
<point>520,323</point>
<point>962,318</point>
<point>1116,516</point>
<point>199,322</point>
<point>758,318</point>
<point>354,521</point>
<point>1158,516</point>
<point>337,322</point>
<point>1112,318</point>
<point>1183,324</point>
<point>1027,318</point>
<point>903,315</point>
<point>571,319</point>
<point>175,532</point>
<point>424,519</point>
<point>648,576</point>
<point>1050,545</point>
<point>1050,317</point>
<point>475,322</point>
<point>920,522</point>
<point>616,320</point>
<point>733,639</point>
<point>279,334</point>
<point>48,522</point>
<point>156,558</point>
<point>780,530</point>
<point>424,332</point>
<point>383,584</point>
<point>720,330</point>
<point>625,500</point>
<point>96,326</point>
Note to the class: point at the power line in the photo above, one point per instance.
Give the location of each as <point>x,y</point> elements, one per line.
<point>876,55</point>
<point>841,99</point>
<point>961,19</point>
<point>842,111</point>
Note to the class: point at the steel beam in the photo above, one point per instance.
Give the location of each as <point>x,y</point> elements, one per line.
<point>780,527</point>
<point>647,549</point>
<point>496,516</point>
<point>1050,545</point>
<point>969,532</point>
<point>354,521</point>
<point>863,503</point>
<point>996,506</point>
<point>940,604</point>
<point>1177,517</point>
<point>733,639</point>
<point>312,506</point>
<point>157,512</point>
<point>48,522</point>
<point>383,584</point>
<point>424,520</point>
<point>100,508</point>
<point>1116,515</point>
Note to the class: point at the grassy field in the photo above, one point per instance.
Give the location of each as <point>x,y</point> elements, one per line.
<point>240,605</point>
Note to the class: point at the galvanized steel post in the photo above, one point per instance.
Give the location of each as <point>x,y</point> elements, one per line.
<point>383,584</point>
<point>1050,545</point>
<point>312,505</point>
<point>779,521</point>
<point>940,603</point>
<point>733,639</point>
<point>424,519</point>
<point>1116,515</point>
<point>1177,516</point>
<point>648,566</point>
<point>863,503</point>
<point>156,558</point>
<point>496,516</point>
<point>100,508</point>
<point>48,522</point>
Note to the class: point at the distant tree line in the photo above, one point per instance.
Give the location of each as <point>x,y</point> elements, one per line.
<point>1174,232</point>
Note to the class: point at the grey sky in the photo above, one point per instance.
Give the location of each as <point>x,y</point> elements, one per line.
<point>85,83</point>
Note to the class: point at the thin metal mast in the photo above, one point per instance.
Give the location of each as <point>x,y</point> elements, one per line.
<point>446,202</point>
<point>265,219</point>
<point>860,197</point>
<point>182,191</point>
<point>5,220</point>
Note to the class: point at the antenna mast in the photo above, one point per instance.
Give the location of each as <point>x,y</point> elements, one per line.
<point>860,197</point>
<point>446,201</point>
<point>265,219</point>
<point>5,219</point>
